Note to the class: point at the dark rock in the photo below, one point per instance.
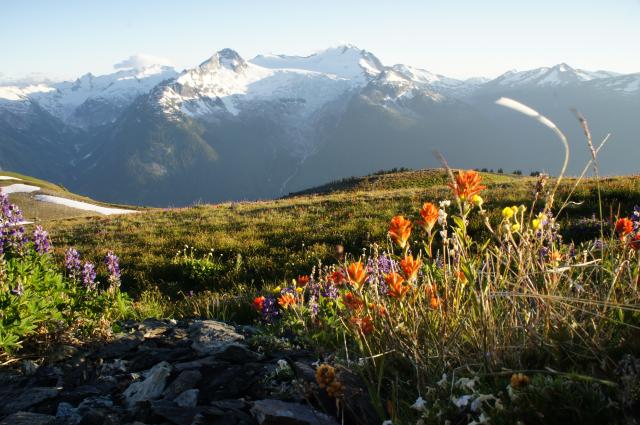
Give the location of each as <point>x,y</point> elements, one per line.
<point>231,404</point>
<point>13,403</point>
<point>174,413</point>
<point>196,364</point>
<point>185,381</point>
<point>61,352</point>
<point>28,418</point>
<point>277,412</point>
<point>237,353</point>
<point>121,346</point>
<point>230,381</point>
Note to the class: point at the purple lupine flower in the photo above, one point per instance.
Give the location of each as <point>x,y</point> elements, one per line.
<point>89,275</point>
<point>598,244</point>
<point>270,309</point>
<point>11,229</point>
<point>636,214</point>
<point>330,290</point>
<point>113,266</point>
<point>41,241</point>
<point>72,263</point>
<point>18,290</point>
<point>313,304</point>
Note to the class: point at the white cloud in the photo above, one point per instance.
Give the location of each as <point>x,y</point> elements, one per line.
<point>141,60</point>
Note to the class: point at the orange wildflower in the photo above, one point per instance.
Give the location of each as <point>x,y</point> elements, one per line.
<point>352,302</point>
<point>356,274</point>
<point>258,303</point>
<point>400,230</point>
<point>396,286</point>
<point>635,242</point>
<point>302,280</point>
<point>365,324</point>
<point>410,267</point>
<point>286,300</point>
<point>467,184</point>
<point>434,302</point>
<point>624,226</point>
<point>429,214</point>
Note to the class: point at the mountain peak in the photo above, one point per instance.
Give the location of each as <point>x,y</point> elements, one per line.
<point>225,58</point>
<point>344,61</point>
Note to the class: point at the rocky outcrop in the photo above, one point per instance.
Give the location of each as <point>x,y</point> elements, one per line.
<point>182,373</point>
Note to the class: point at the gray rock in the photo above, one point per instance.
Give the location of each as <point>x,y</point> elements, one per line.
<point>29,367</point>
<point>188,398</point>
<point>27,399</point>
<point>277,412</point>
<point>185,381</point>
<point>28,418</point>
<point>153,328</point>
<point>212,337</point>
<point>152,386</point>
<point>237,353</point>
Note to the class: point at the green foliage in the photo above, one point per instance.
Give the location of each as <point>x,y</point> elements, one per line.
<point>36,297</point>
<point>204,271</point>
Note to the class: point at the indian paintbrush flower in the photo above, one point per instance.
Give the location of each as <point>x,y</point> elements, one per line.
<point>400,230</point>
<point>467,184</point>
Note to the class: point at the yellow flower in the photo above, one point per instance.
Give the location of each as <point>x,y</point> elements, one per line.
<point>477,200</point>
<point>507,212</point>
<point>515,227</point>
<point>535,224</point>
<point>299,290</point>
<point>277,290</point>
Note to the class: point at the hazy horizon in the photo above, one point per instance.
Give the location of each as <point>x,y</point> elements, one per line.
<point>64,40</point>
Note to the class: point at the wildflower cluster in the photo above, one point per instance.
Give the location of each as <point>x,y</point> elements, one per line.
<point>35,293</point>
<point>433,285</point>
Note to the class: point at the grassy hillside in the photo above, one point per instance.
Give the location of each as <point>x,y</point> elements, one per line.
<point>38,211</point>
<point>272,241</point>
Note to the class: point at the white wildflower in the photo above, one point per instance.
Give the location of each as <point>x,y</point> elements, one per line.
<point>466,383</point>
<point>387,422</point>
<point>442,217</point>
<point>462,401</point>
<point>443,381</point>
<point>444,204</point>
<point>420,405</point>
<point>477,403</point>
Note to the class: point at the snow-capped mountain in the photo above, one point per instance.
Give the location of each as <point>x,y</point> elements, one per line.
<point>232,128</point>
<point>558,75</point>
<point>226,83</point>
<point>90,100</point>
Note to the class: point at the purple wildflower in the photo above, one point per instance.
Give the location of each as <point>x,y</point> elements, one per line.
<point>113,267</point>
<point>89,275</point>
<point>11,229</point>
<point>72,262</point>
<point>41,241</point>
<point>269,309</point>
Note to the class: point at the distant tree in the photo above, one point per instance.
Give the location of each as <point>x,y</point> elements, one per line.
<point>491,170</point>
<point>535,174</point>
<point>485,170</point>
<point>500,171</point>
<point>517,172</point>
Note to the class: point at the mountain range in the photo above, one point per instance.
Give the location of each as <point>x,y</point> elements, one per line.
<point>233,129</point>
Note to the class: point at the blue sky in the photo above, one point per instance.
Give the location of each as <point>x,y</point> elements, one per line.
<point>64,39</point>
